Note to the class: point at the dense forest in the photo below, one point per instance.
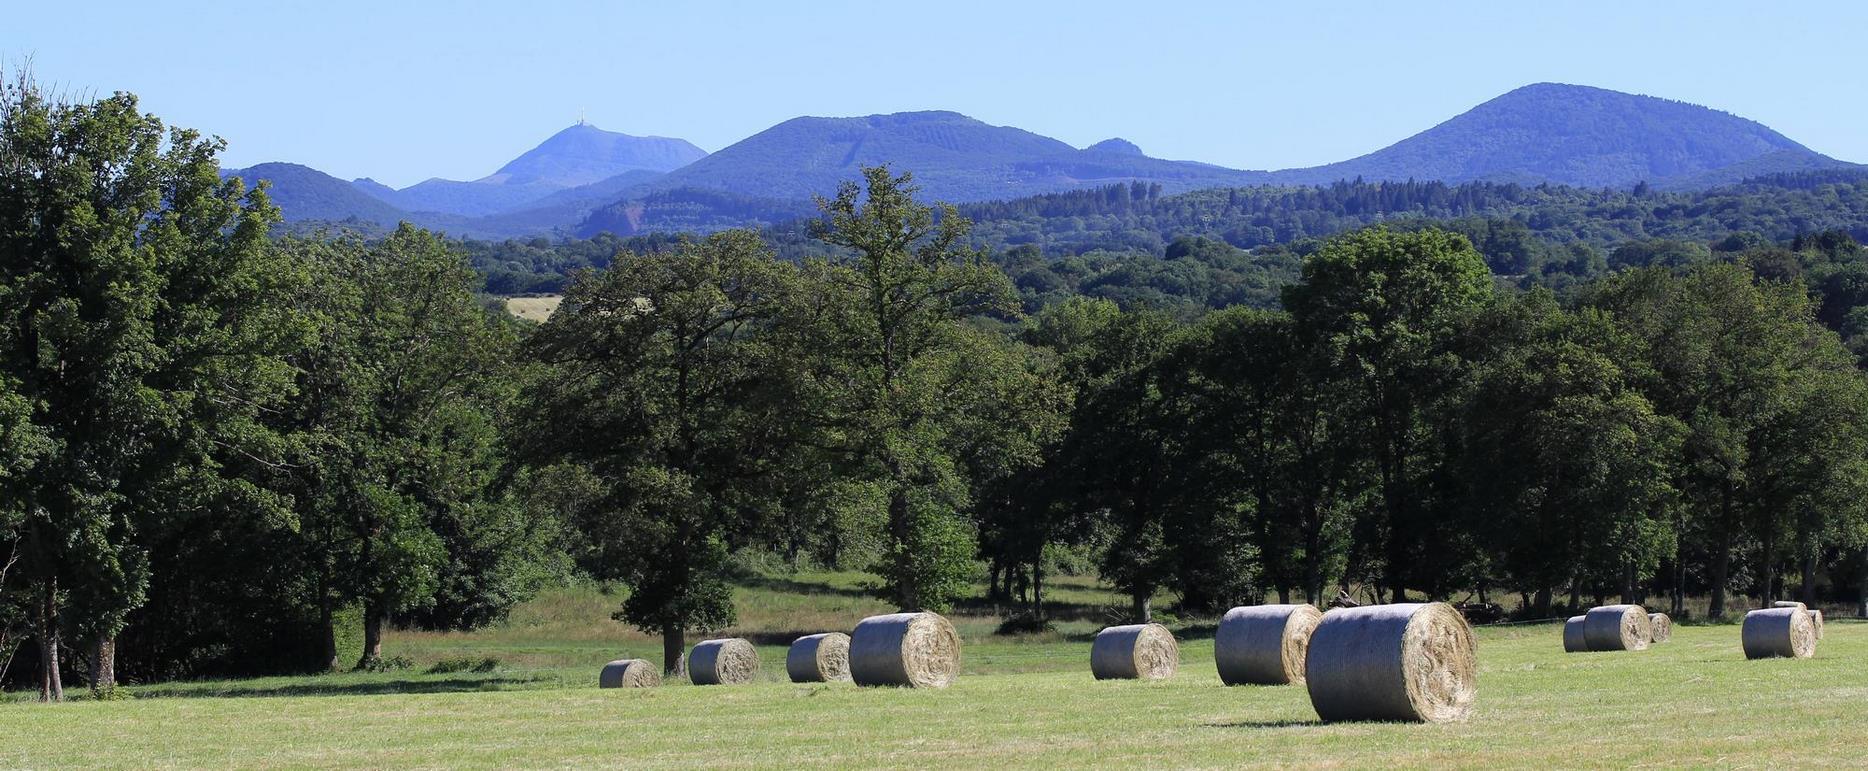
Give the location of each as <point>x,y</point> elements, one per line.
<point>220,449</point>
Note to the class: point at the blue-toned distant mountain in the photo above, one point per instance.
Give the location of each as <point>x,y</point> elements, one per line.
<point>305,193</point>
<point>585,180</point>
<point>953,157</point>
<point>1581,136</point>
<point>578,157</point>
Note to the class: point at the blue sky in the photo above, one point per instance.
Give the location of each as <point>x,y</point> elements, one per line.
<point>403,91</point>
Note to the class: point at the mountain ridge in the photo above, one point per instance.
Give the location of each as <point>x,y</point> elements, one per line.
<point>1543,132</point>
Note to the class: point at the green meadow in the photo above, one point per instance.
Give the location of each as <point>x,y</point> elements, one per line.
<point>1023,701</point>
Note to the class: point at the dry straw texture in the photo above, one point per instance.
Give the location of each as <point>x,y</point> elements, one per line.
<point>1264,644</point>
<point>1661,626</point>
<point>1616,628</point>
<point>1789,604</point>
<point>1134,652</point>
<point>1408,661</point>
<point>629,673</point>
<point>729,661</point>
<point>1574,641</point>
<point>819,658</point>
<point>919,650</point>
<point>1779,632</point>
<point>1816,620</point>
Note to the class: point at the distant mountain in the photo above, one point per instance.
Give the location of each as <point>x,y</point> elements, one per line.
<point>1116,145</point>
<point>578,156</point>
<point>305,193</point>
<point>584,179</point>
<point>584,154</point>
<point>1581,136</point>
<point>953,157</point>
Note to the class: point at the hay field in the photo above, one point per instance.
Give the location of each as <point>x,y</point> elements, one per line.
<point>534,308</point>
<point>1021,702</point>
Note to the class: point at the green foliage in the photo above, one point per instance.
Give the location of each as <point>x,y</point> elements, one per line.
<point>665,361</point>
<point>889,329</point>
<point>450,666</point>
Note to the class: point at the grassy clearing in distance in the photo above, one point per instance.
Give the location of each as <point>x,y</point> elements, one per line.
<point>534,308</point>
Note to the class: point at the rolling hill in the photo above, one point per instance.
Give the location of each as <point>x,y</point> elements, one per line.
<point>577,157</point>
<point>1580,136</point>
<point>586,180</point>
<point>305,193</point>
<point>953,157</point>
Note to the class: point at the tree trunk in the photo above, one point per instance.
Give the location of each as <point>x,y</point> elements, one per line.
<point>1143,610</point>
<point>1284,595</point>
<point>907,594</point>
<point>1767,569</point>
<point>1861,589</point>
<point>1807,592</point>
<point>1037,589</point>
<point>327,638</point>
<point>1542,603</point>
<point>1678,607</point>
<point>1721,572</point>
<point>674,645</point>
<point>103,664</point>
<point>372,635</point>
<point>51,684</point>
<point>1576,595</point>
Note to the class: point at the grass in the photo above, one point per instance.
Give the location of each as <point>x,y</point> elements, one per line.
<point>534,308</point>
<point>1023,701</point>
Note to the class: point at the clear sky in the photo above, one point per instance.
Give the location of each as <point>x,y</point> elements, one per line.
<point>403,91</point>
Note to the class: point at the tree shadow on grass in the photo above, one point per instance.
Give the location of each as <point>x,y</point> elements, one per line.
<point>794,586</point>
<point>1286,723</point>
<point>371,688</point>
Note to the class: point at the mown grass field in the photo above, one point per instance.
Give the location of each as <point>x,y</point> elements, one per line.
<point>1024,701</point>
<point>534,308</point>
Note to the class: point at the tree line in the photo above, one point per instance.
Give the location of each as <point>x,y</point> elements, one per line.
<point>218,448</point>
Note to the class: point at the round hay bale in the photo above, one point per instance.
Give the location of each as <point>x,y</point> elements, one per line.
<point>1616,628</point>
<point>1134,652</point>
<point>1661,625</point>
<point>1408,661</point>
<point>629,673</point>
<point>727,661</point>
<point>1778,632</point>
<point>1264,644</point>
<point>1789,604</point>
<point>1816,621</point>
<point>1574,641</point>
<point>819,658</point>
<point>1788,632</point>
<point>918,650</point>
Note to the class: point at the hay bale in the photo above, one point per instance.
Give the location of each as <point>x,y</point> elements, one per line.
<point>1574,641</point>
<point>629,673</point>
<point>919,650</point>
<point>1816,620</point>
<point>1408,661</point>
<point>727,661</point>
<point>819,658</point>
<point>1264,644</point>
<point>1661,625</point>
<point>1617,628</point>
<point>1778,632</point>
<point>1789,604</point>
<point>1134,652</point>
